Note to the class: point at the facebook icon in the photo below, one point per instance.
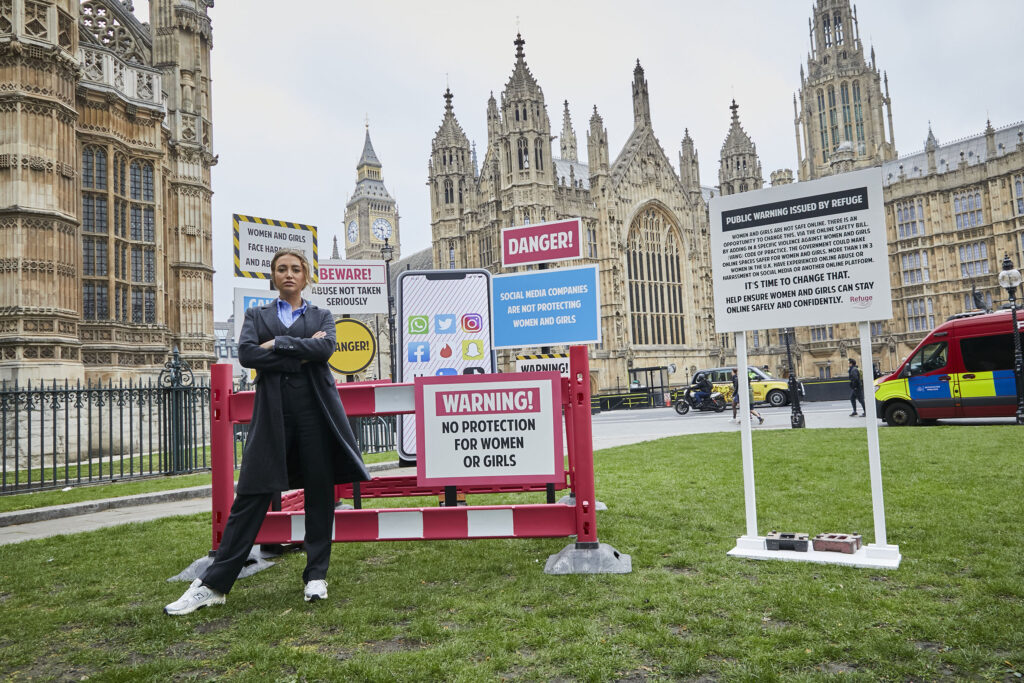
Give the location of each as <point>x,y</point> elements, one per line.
<point>419,352</point>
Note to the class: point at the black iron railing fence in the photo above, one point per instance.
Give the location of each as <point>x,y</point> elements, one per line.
<point>56,435</point>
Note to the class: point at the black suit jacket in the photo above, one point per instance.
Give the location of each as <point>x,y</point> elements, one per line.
<point>265,460</point>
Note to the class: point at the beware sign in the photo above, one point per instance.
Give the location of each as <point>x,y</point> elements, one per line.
<point>479,429</point>
<point>350,287</point>
<point>542,243</point>
<point>354,347</point>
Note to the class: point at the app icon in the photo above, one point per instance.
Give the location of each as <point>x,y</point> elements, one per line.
<point>419,352</point>
<point>445,352</point>
<point>444,323</point>
<point>474,370</point>
<point>472,322</point>
<point>446,371</point>
<point>418,324</point>
<point>472,349</point>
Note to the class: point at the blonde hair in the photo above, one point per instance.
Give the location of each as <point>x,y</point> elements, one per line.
<point>288,251</point>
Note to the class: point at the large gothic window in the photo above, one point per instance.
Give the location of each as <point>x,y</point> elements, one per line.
<point>839,29</point>
<point>833,117</point>
<point>538,155</point>
<point>827,31</point>
<point>449,193</point>
<point>822,127</point>
<point>654,262</point>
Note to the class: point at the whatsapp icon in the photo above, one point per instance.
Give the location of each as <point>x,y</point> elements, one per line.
<point>418,324</point>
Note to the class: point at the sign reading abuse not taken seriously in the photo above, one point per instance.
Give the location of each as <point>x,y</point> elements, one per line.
<point>810,253</point>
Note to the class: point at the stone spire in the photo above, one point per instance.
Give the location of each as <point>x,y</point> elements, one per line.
<point>740,168</point>
<point>568,136</point>
<point>641,101</point>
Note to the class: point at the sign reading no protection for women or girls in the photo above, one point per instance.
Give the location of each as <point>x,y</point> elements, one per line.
<point>480,429</point>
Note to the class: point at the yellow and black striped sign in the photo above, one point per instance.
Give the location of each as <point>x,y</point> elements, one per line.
<point>537,362</point>
<point>538,356</point>
<point>257,239</point>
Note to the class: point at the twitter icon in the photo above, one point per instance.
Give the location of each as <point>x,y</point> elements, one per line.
<point>444,323</point>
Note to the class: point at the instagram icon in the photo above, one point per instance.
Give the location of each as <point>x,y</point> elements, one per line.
<point>472,322</point>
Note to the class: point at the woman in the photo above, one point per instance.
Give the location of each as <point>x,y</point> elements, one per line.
<point>299,436</point>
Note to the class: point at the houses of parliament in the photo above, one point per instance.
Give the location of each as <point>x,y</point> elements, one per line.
<point>952,210</point>
<point>105,198</point>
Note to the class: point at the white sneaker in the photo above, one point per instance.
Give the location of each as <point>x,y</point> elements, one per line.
<point>315,590</point>
<point>196,597</point>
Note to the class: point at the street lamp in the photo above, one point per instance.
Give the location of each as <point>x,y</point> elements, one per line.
<point>796,418</point>
<point>387,252</point>
<point>1009,279</point>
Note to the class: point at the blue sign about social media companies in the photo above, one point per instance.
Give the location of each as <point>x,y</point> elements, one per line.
<point>546,307</point>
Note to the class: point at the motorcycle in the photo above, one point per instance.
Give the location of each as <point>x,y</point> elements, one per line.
<point>688,400</point>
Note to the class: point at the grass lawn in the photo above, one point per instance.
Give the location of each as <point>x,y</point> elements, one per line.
<point>128,487</point>
<point>89,605</point>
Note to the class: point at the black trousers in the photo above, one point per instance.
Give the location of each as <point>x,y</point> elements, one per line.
<point>309,445</point>
<point>857,395</point>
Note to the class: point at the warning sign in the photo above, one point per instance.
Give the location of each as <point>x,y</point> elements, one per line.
<point>354,346</point>
<point>810,253</point>
<point>488,429</point>
<point>258,239</point>
<point>540,362</point>
<point>350,287</point>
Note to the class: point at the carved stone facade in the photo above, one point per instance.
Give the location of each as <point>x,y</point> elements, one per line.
<point>104,188</point>
<point>644,225</point>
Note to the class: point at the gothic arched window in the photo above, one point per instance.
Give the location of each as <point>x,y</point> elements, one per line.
<point>844,96</point>
<point>827,31</point>
<point>858,118</point>
<point>654,261</point>
<point>839,28</point>
<point>449,192</point>
<point>823,130</point>
<point>833,116</point>
<point>524,154</point>
<point>538,155</point>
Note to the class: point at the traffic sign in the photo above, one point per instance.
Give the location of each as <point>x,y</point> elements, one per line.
<point>354,346</point>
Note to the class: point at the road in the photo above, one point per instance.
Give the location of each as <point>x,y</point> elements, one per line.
<point>623,427</point>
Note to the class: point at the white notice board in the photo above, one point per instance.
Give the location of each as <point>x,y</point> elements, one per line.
<point>810,253</point>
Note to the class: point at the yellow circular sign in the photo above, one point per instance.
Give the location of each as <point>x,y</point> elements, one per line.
<point>354,347</point>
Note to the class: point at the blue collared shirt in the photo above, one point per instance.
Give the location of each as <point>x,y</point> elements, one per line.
<point>286,315</point>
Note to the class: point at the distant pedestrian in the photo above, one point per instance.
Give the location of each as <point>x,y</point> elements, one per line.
<point>736,398</point>
<point>856,389</point>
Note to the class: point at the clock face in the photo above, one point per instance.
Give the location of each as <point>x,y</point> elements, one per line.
<point>353,232</point>
<point>382,228</point>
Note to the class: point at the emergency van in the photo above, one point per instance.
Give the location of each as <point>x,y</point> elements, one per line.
<point>963,368</point>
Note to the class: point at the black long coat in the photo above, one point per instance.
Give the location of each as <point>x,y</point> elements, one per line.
<point>264,460</point>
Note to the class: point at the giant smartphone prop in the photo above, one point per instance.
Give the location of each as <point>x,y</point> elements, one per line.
<point>444,328</point>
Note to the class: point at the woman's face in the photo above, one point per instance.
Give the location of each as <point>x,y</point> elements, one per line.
<point>289,278</point>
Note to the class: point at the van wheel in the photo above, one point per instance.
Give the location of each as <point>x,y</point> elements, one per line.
<point>900,414</point>
<point>776,398</point>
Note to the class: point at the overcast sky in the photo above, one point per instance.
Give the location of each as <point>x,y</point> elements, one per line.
<point>293,84</point>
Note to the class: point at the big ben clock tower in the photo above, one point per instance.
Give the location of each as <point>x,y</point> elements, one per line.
<point>371,215</point>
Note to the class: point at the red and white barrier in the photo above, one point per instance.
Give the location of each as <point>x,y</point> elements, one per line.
<point>551,520</point>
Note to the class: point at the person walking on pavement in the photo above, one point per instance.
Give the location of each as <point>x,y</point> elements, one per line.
<point>299,436</point>
<point>856,389</point>
<point>736,398</point>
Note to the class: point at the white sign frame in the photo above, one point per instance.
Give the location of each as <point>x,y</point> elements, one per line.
<point>241,294</point>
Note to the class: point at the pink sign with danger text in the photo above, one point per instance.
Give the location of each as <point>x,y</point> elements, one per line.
<point>479,429</point>
<point>542,243</point>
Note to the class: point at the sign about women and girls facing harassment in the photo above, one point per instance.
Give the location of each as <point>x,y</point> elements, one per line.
<point>256,240</point>
<point>482,429</point>
<point>809,253</point>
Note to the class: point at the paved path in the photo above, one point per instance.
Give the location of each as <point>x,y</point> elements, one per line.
<point>610,429</point>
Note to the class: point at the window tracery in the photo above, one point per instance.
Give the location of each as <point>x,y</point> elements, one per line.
<point>654,273</point>
<point>97,20</point>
